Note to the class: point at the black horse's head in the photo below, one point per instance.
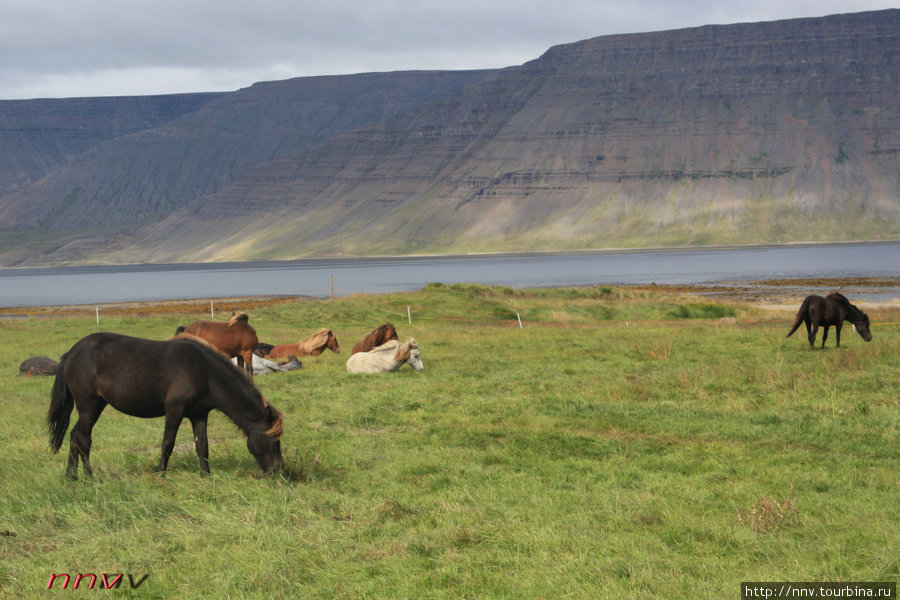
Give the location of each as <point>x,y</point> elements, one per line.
<point>265,445</point>
<point>862,326</point>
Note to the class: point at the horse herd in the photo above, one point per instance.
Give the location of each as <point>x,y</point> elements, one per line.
<point>189,375</point>
<point>378,352</point>
<point>192,373</point>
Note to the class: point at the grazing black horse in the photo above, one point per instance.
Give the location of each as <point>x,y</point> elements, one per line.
<point>833,309</point>
<point>145,378</point>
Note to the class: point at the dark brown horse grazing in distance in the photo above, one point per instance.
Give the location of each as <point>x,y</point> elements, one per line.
<point>147,378</point>
<point>236,338</point>
<point>316,344</point>
<point>378,336</point>
<point>38,365</point>
<point>833,309</point>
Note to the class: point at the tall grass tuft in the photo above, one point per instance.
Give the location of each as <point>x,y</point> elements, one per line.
<point>768,513</point>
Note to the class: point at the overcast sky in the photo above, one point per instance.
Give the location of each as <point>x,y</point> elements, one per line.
<point>68,48</point>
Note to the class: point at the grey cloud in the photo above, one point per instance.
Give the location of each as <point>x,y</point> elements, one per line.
<point>102,47</point>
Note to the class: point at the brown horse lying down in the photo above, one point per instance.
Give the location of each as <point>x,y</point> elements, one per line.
<point>378,336</point>
<point>833,309</point>
<point>235,338</point>
<point>311,346</point>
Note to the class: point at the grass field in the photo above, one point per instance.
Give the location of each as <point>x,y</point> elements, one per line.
<point>621,444</point>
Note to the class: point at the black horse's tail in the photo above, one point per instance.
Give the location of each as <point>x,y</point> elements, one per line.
<point>61,403</point>
<point>801,314</point>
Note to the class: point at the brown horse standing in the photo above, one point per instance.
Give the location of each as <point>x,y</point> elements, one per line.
<point>311,346</point>
<point>833,309</point>
<point>378,336</point>
<point>235,338</point>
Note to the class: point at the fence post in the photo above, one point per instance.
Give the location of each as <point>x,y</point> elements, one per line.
<point>97,308</point>
<point>332,286</point>
<point>408,315</point>
<point>212,312</point>
<point>520,320</point>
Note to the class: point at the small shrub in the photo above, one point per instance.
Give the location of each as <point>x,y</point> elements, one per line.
<point>476,290</point>
<point>769,514</point>
<point>701,310</point>
<point>655,350</point>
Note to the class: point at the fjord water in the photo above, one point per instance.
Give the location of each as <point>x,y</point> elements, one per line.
<point>87,285</point>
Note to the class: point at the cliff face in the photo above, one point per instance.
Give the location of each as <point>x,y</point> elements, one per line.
<point>750,133</point>
<point>39,136</point>
<point>144,173</point>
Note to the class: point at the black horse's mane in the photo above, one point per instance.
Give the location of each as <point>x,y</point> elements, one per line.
<point>223,363</point>
<point>839,297</point>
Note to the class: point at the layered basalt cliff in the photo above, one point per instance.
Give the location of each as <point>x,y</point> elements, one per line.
<point>748,133</point>
<point>39,136</point>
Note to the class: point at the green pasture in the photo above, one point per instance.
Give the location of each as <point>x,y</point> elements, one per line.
<point>620,444</point>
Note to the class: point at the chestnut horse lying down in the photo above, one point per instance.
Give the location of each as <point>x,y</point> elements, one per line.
<point>314,345</point>
<point>833,309</point>
<point>378,336</point>
<point>389,356</point>
<point>235,338</point>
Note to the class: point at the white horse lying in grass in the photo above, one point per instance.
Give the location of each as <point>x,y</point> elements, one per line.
<point>263,366</point>
<point>389,356</point>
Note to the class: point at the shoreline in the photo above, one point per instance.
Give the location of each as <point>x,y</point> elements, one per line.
<point>313,260</point>
<point>775,292</point>
<point>767,294</point>
<point>699,268</point>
